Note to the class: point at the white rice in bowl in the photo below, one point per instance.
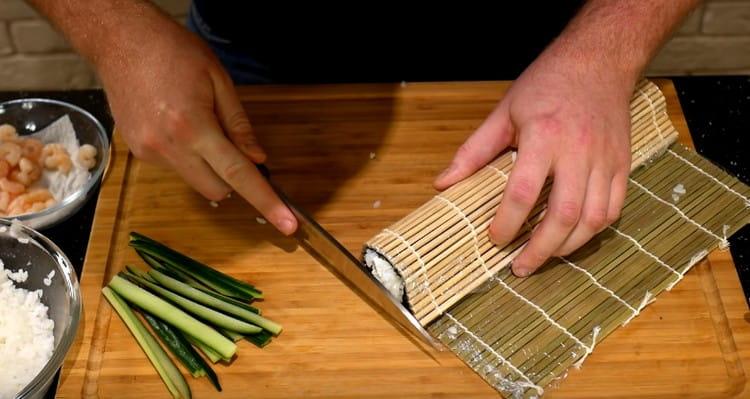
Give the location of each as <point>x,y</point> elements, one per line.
<point>26,333</point>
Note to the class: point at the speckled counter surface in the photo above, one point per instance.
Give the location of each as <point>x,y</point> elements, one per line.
<point>717,110</point>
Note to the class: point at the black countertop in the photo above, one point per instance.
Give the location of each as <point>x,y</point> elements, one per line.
<point>717,110</point>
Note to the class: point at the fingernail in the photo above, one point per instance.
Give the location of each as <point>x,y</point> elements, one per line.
<point>286,226</point>
<point>521,271</point>
<point>493,236</point>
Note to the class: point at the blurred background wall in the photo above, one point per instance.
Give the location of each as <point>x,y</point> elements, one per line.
<point>714,40</point>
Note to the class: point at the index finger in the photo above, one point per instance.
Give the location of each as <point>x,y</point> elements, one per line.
<point>245,178</point>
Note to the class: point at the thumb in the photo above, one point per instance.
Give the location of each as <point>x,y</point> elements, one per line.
<point>492,137</point>
<point>233,119</point>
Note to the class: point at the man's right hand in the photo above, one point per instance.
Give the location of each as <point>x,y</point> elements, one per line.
<point>176,106</point>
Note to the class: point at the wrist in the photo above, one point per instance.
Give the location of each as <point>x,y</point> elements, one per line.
<point>591,62</point>
<point>123,35</point>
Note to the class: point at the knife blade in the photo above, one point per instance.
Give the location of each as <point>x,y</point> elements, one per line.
<point>322,245</point>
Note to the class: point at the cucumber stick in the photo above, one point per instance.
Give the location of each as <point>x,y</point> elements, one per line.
<point>210,353</point>
<point>260,339</point>
<point>208,300</point>
<point>139,273</point>
<point>173,316</point>
<point>181,348</point>
<point>174,273</point>
<point>216,295</point>
<point>234,336</point>
<point>186,279</point>
<point>167,370</point>
<point>216,318</point>
<point>215,279</point>
<point>170,340</point>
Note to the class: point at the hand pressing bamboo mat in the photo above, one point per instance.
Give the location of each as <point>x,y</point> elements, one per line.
<point>442,250</point>
<point>520,335</point>
<point>320,140</point>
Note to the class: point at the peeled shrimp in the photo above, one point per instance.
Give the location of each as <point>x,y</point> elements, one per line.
<point>87,156</point>
<point>32,201</point>
<point>4,168</point>
<point>5,199</point>
<point>54,156</point>
<point>11,187</point>
<point>8,133</point>
<point>37,206</point>
<point>32,149</point>
<point>27,173</point>
<point>29,167</point>
<point>10,152</point>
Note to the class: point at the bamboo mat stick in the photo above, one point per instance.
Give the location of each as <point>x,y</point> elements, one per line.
<point>541,352</point>
<point>520,335</point>
<point>425,244</point>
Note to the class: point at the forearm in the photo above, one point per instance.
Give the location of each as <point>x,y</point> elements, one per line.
<point>619,35</point>
<point>103,31</point>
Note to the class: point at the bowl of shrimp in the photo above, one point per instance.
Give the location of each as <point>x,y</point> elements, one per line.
<point>52,156</point>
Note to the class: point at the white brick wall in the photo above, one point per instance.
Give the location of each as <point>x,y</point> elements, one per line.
<point>713,40</point>
<point>34,56</point>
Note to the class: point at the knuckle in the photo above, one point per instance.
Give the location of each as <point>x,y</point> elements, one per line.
<point>138,150</point>
<point>536,257</point>
<point>235,170</point>
<point>550,126</point>
<point>622,162</point>
<point>177,125</point>
<point>564,251</point>
<point>584,137</point>
<point>148,145</point>
<point>522,192</point>
<point>216,193</point>
<point>613,215</point>
<point>568,213</point>
<point>238,123</point>
<point>595,219</point>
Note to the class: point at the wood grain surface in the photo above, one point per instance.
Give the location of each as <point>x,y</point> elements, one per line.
<point>692,342</point>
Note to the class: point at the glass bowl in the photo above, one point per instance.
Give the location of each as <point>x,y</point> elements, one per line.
<point>30,115</point>
<point>62,297</point>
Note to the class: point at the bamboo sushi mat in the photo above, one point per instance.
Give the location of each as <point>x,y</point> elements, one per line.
<point>521,334</point>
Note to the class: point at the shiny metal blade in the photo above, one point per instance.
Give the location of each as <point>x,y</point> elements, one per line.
<point>318,241</point>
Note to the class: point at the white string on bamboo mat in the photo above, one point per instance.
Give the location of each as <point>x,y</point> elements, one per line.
<point>647,252</point>
<point>695,259</point>
<point>710,176</point>
<point>496,169</point>
<point>723,242</point>
<point>596,282</point>
<point>594,334</point>
<point>648,299</point>
<point>503,361</point>
<point>473,232</point>
<point>422,267</point>
<point>544,313</point>
<point>653,112</point>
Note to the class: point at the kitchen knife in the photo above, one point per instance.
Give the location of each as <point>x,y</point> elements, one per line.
<point>325,247</point>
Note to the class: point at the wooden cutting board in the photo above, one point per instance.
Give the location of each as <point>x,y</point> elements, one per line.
<point>693,342</point>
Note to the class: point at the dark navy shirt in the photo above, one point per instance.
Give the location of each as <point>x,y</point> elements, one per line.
<point>360,42</point>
